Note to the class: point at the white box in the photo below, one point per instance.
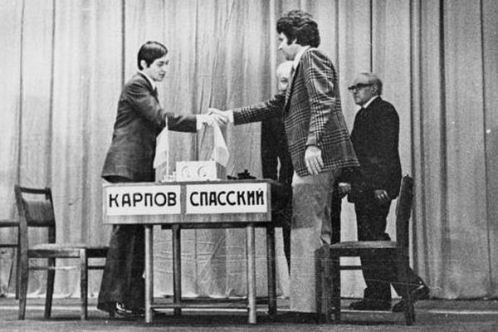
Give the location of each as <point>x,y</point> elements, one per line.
<point>207,170</point>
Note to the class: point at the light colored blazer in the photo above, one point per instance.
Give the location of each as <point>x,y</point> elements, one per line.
<point>311,109</point>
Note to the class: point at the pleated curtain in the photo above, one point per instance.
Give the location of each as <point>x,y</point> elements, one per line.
<point>64,63</point>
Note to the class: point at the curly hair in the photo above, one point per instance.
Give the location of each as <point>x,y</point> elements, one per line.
<point>149,52</point>
<point>300,26</point>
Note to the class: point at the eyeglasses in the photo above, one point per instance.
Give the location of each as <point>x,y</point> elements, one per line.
<point>359,86</point>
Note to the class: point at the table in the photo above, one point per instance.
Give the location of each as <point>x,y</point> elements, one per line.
<point>189,205</point>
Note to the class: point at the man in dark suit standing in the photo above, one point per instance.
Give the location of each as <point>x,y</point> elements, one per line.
<point>140,118</point>
<point>376,183</point>
<point>276,162</point>
<point>319,146</point>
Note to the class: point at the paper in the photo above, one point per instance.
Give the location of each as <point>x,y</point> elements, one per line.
<point>220,151</point>
<point>162,149</point>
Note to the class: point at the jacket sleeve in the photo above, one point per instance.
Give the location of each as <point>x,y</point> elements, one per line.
<point>318,76</point>
<point>142,101</point>
<point>383,159</point>
<point>265,110</point>
<point>184,123</point>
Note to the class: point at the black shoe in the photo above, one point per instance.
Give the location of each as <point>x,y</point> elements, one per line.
<point>121,311</point>
<point>421,292</point>
<point>300,317</point>
<point>367,304</point>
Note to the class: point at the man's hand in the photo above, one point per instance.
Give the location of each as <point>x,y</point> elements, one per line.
<point>212,119</point>
<point>381,196</point>
<point>313,159</point>
<point>223,116</point>
<point>343,188</point>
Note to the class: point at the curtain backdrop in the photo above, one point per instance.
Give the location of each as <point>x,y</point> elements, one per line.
<point>64,63</point>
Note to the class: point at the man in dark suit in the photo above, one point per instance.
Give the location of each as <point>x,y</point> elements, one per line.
<point>376,183</point>
<point>277,164</point>
<point>140,118</point>
<point>319,146</point>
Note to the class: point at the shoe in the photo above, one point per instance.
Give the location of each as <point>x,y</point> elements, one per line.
<point>367,304</point>
<point>421,292</point>
<point>121,311</point>
<point>301,317</point>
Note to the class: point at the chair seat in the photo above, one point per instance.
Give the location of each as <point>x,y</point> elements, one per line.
<point>9,223</point>
<point>66,250</point>
<point>52,246</point>
<point>359,245</point>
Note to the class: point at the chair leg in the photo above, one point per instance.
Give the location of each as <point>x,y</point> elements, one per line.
<point>403,267</point>
<point>319,284</point>
<point>23,287</point>
<point>50,287</point>
<point>84,284</point>
<point>335,268</point>
<point>18,263</point>
<point>328,287</point>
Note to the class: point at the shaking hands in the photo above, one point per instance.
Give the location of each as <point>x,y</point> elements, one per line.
<point>213,118</point>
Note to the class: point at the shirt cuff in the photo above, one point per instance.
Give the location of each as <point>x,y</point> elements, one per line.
<point>230,116</point>
<point>201,120</point>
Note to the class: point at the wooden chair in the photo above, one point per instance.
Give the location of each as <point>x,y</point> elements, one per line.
<point>36,210</point>
<point>329,267</point>
<point>13,224</point>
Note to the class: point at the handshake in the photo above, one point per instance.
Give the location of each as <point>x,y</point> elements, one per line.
<point>215,117</point>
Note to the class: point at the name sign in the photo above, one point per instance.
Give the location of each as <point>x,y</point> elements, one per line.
<point>226,198</point>
<point>142,200</point>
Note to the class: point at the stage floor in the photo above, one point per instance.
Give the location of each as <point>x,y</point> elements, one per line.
<point>432,315</point>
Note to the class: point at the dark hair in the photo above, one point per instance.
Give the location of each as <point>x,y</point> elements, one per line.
<point>149,52</point>
<point>300,26</point>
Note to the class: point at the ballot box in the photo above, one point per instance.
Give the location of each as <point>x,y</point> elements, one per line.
<point>196,204</point>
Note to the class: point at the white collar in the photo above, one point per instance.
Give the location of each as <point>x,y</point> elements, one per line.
<point>299,55</point>
<point>151,81</point>
<point>369,102</point>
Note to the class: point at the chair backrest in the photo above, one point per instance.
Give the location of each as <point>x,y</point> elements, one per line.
<point>36,209</point>
<point>403,211</point>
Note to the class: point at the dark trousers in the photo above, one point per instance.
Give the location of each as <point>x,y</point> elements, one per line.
<point>122,280</point>
<point>379,270</point>
<point>335,215</point>
<point>274,150</point>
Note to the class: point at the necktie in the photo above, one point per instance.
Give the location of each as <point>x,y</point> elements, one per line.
<point>363,113</point>
<point>154,92</point>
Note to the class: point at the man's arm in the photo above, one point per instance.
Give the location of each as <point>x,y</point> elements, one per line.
<point>384,146</point>
<point>320,88</point>
<point>141,100</point>
<point>261,111</point>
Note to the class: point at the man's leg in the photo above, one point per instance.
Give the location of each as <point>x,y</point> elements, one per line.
<point>378,270</point>
<point>335,215</point>
<point>310,230</point>
<point>122,280</point>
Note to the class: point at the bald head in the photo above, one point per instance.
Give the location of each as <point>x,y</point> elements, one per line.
<point>283,75</point>
<point>364,87</point>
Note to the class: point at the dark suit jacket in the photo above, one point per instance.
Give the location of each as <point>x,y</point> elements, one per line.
<point>375,139</point>
<point>312,114</point>
<point>140,118</point>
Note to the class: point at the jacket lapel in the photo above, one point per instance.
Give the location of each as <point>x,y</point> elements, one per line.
<point>290,89</point>
<point>149,86</point>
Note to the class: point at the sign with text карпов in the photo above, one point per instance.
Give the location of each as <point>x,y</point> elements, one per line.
<point>142,200</point>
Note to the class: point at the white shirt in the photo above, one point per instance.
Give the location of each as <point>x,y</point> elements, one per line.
<point>369,102</point>
<point>151,81</point>
<point>298,56</point>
